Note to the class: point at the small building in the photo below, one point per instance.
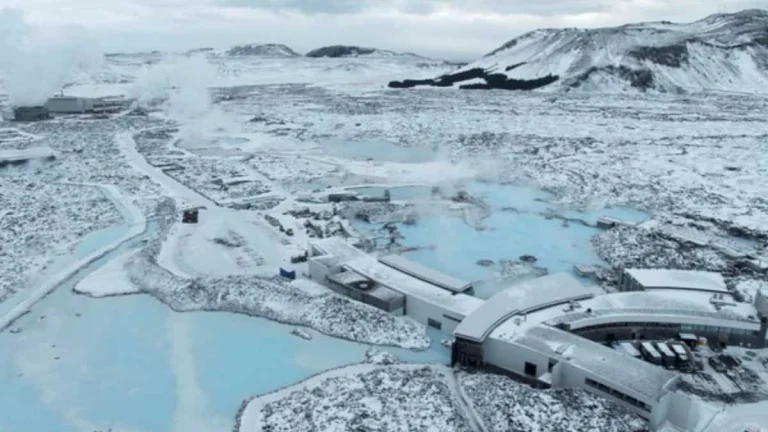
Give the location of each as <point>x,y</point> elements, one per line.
<point>22,156</point>
<point>190,216</point>
<point>69,105</point>
<point>340,197</point>
<point>288,273</point>
<point>608,222</point>
<point>31,114</point>
<point>657,279</point>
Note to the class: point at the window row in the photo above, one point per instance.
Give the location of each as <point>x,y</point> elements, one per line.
<point>617,394</point>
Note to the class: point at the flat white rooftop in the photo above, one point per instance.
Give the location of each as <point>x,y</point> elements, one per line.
<point>461,304</point>
<point>612,367</point>
<point>525,297</point>
<point>426,274</point>
<point>349,277</point>
<point>669,306</point>
<point>679,279</point>
<point>674,301</point>
<point>339,248</point>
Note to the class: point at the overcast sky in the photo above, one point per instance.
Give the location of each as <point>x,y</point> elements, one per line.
<point>453,29</point>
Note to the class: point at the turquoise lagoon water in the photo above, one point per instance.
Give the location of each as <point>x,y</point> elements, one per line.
<point>131,364</point>
<point>456,247</point>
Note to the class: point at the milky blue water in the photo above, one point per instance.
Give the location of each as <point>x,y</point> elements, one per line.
<point>96,239</point>
<point>130,363</point>
<point>454,247</point>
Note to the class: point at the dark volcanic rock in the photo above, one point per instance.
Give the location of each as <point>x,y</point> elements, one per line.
<point>340,51</point>
<point>641,79</point>
<point>514,66</point>
<point>264,50</point>
<point>670,55</point>
<point>492,81</point>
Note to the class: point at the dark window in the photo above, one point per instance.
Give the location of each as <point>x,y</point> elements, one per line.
<point>551,365</point>
<point>617,394</point>
<point>436,324</point>
<point>451,318</point>
<point>530,369</point>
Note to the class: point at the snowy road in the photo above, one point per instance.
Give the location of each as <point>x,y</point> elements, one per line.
<point>223,243</point>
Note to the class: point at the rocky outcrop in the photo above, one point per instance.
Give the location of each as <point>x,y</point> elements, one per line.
<point>337,51</point>
<point>262,50</point>
<point>492,81</point>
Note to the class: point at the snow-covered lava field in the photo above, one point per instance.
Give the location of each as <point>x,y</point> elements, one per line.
<point>477,180</point>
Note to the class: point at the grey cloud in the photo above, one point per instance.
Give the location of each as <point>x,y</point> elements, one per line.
<point>306,6</point>
<point>538,7</point>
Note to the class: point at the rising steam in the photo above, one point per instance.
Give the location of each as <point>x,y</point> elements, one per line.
<point>37,62</point>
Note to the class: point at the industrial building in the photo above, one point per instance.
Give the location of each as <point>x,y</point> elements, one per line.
<point>31,114</point>
<point>22,156</point>
<point>69,105</point>
<point>652,279</point>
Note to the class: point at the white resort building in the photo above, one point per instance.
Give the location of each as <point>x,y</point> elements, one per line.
<point>345,269</point>
<point>555,332</point>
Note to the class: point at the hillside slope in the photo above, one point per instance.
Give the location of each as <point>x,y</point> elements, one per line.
<point>262,50</point>
<point>338,51</point>
<point>726,52</point>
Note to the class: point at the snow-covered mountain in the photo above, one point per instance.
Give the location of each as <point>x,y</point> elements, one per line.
<point>337,51</point>
<point>262,50</point>
<point>727,52</point>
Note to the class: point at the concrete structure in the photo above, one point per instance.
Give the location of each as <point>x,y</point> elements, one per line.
<point>30,114</point>
<point>364,290</point>
<point>761,304</point>
<point>18,157</point>
<point>630,349</point>
<point>607,222</point>
<point>427,274</point>
<point>422,301</point>
<point>642,279</point>
<point>69,105</point>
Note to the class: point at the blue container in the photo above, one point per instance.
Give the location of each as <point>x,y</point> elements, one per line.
<point>288,274</point>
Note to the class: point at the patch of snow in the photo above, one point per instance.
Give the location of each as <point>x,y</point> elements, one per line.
<point>110,279</point>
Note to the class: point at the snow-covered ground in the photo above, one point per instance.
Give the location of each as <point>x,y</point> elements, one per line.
<point>426,398</point>
<point>505,405</point>
<point>262,149</point>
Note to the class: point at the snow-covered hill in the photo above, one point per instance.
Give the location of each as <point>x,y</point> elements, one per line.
<point>726,52</point>
<point>337,51</point>
<point>262,50</point>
